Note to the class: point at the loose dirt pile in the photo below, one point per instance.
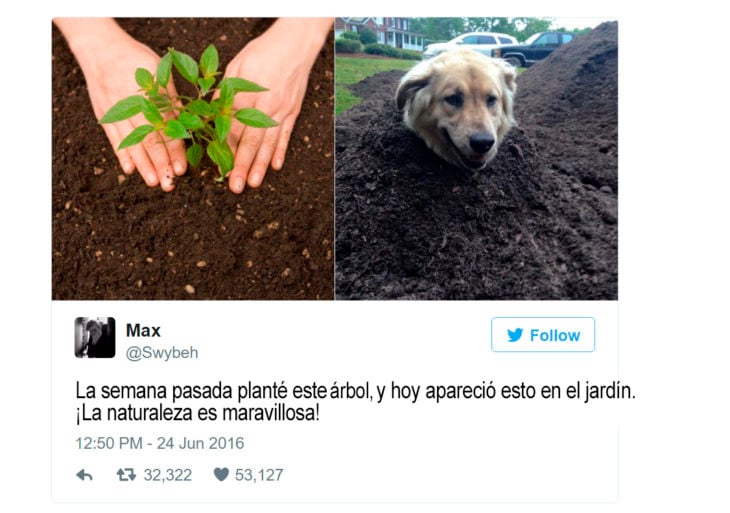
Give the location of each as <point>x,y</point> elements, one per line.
<point>116,238</point>
<point>539,223</point>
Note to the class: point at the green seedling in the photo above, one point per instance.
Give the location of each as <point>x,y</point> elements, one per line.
<point>203,120</point>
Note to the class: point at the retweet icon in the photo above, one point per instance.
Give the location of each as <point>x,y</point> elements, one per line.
<point>515,335</point>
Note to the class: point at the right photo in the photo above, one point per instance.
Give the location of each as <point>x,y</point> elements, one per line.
<point>476,158</point>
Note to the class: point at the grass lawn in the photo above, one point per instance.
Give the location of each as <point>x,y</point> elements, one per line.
<point>350,70</point>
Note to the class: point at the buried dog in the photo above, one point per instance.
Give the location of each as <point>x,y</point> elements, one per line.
<point>460,104</point>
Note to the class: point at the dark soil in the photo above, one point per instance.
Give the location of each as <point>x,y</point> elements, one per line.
<point>116,238</point>
<point>539,223</point>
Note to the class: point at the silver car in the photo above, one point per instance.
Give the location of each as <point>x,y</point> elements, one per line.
<point>482,42</point>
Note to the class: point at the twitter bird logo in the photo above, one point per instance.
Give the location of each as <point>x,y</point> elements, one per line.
<point>514,335</point>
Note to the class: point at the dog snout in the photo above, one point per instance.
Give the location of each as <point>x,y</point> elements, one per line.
<point>481,142</point>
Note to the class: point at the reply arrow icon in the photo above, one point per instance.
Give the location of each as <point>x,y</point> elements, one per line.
<point>81,474</point>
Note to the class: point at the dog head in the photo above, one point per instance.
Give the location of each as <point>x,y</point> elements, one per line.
<point>460,104</point>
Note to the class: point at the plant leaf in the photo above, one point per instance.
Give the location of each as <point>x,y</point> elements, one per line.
<point>123,109</point>
<point>209,61</point>
<point>201,108</point>
<point>241,85</point>
<point>136,136</point>
<point>190,121</point>
<point>163,70</point>
<point>152,113</point>
<point>205,84</point>
<point>221,154</point>
<point>176,130</point>
<point>186,65</point>
<point>222,127</point>
<point>157,100</point>
<point>144,79</point>
<point>216,105</point>
<point>194,154</point>
<point>254,117</point>
<point>226,94</point>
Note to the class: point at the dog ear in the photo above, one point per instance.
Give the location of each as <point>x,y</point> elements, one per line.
<point>415,80</point>
<point>509,76</point>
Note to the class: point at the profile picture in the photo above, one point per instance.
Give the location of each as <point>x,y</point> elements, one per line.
<point>94,337</point>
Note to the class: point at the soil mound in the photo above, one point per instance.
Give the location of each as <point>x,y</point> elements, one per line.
<point>572,96</point>
<point>539,223</point>
<point>116,238</point>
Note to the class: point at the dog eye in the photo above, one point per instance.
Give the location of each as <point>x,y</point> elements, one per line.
<point>455,100</point>
<point>491,101</point>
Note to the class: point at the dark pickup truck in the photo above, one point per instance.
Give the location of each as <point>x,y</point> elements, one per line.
<point>537,47</point>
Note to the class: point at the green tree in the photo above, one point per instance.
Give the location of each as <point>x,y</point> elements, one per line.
<point>504,25</point>
<point>525,27</point>
<point>443,29</point>
<point>438,29</point>
<point>350,35</point>
<point>578,32</point>
<point>367,36</point>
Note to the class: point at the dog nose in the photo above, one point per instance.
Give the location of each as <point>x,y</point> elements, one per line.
<point>481,142</point>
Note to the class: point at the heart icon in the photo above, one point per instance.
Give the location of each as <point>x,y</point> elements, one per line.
<point>221,473</point>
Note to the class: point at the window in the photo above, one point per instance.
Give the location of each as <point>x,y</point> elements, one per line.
<point>486,40</point>
<point>547,40</point>
<point>567,37</point>
<point>505,40</point>
<point>469,40</point>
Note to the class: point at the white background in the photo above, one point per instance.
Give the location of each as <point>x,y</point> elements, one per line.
<point>673,249</point>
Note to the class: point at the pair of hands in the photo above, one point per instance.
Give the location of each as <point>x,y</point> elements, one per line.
<point>272,60</point>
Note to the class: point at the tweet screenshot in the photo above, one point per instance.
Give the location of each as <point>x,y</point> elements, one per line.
<point>388,279</point>
<point>346,402</point>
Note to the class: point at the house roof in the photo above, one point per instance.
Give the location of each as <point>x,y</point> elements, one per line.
<point>358,20</point>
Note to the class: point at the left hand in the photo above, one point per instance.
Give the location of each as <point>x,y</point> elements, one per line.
<point>280,60</point>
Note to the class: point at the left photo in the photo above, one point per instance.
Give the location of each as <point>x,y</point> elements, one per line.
<point>193,158</point>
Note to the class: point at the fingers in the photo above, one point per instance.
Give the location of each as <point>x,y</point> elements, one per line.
<point>245,149</point>
<point>283,143</point>
<point>175,147</point>
<point>156,151</point>
<point>156,160</point>
<point>253,153</point>
<point>256,150</point>
<point>115,137</point>
<point>159,161</point>
<point>263,157</point>
<point>144,165</point>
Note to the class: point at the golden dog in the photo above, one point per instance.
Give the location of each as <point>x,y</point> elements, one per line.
<point>460,104</point>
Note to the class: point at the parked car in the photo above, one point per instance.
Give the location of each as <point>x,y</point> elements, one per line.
<point>482,42</point>
<point>537,47</point>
